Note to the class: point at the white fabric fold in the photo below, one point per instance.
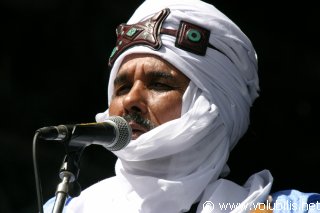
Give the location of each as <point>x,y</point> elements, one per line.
<point>227,196</point>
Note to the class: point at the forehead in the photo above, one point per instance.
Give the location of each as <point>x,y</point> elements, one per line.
<point>146,62</point>
<point>135,61</point>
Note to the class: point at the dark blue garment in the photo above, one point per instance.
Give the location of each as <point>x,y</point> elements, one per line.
<point>289,201</point>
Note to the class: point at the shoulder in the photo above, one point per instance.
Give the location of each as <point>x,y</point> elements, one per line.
<point>295,201</point>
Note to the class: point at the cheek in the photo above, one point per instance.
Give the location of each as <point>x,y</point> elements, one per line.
<point>115,107</point>
<point>168,108</point>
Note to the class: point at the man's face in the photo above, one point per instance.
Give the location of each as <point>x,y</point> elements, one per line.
<point>147,92</point>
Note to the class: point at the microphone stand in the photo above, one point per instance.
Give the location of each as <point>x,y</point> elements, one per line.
<point>69,172</point>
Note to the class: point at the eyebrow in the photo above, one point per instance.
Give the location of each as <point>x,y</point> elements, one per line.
<point>153,75</point>
<point>120,79</point>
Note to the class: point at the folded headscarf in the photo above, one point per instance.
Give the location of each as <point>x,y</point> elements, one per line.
<point>181,162</point>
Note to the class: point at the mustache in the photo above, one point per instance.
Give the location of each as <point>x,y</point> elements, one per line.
<point>137,118</point>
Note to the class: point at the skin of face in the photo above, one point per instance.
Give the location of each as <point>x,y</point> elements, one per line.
<point>149,87</point>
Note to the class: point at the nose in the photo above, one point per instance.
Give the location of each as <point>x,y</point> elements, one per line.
<point>135,100</point>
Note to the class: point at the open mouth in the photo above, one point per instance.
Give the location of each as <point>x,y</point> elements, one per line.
<point>138,124</point>
<point>137,130</point>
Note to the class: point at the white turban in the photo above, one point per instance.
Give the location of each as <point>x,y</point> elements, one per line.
<point>180,162</point>
<point>228,80</point>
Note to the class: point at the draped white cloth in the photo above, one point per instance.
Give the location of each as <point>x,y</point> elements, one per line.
<point>181,162</point>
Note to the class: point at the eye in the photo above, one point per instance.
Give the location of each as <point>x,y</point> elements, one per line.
<point>122,90</point>
<point>158,86</point>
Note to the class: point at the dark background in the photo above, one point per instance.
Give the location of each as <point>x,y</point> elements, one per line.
<point>53,70</point>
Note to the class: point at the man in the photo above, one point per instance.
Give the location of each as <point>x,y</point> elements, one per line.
<point>184,76</point>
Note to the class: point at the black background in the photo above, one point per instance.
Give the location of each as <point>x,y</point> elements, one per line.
<point>53,70</point>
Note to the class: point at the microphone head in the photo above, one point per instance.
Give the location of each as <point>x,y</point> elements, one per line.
<point>124,131</point>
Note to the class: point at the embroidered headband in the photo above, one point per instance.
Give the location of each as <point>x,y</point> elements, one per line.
<point>189,37</point>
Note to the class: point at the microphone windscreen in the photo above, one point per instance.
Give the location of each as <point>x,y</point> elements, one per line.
<point>124,130</point>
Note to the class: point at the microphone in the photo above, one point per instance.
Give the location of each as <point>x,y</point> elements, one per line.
<point>114,134</point>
